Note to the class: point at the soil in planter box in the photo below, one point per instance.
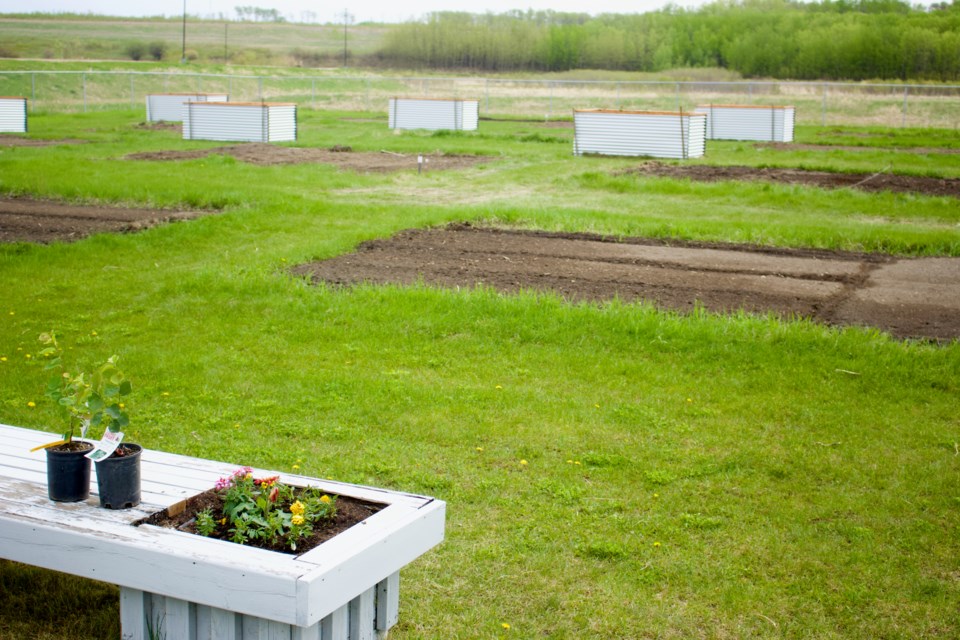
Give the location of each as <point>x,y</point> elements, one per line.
<point>350,511</point>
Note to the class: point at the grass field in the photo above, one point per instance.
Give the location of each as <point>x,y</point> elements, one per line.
<point>611,471</point>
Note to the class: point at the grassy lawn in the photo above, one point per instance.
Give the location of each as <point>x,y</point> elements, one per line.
<point>611,471</point>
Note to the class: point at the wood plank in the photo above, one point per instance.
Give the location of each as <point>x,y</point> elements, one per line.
<point>133,615</point>
<point>388,602</point>
<point>362,612</point>
<point>336,626</point>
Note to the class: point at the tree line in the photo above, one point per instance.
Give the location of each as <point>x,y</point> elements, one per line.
<point>829,40</point>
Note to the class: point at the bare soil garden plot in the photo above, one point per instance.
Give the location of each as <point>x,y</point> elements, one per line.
<point>793,146</point>
<point>25,220</point>
<point>916,298</point>
<point>361,161</point>
<point>20,141</point>
<point>824,179</point>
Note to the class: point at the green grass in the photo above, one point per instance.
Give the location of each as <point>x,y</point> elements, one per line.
<point>687,475</point>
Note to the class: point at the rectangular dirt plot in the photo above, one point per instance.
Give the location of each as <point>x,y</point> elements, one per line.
<point>43,221</point>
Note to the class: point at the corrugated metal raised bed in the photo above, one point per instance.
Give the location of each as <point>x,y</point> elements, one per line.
<point>13,115</point>
<point>168,107</point>
<point>659,134</point>
<point>749,122</point>
<point>240,121</point>
<point>434,113</point>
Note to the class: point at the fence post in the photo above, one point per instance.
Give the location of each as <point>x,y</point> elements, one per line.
<point>823,109</point>
<point>199,84</point>
<point>260,87</point>
<point>33,90</point>
<point>618,95</point>
<point>903,117</point>
<point>229,87</point>
<point>679,106</point>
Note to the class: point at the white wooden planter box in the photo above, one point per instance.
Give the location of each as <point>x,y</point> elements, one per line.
<point>434,113</point>
<point>168,107</point>
<point>658,134</point>
<point>204,589</point>
<point>240,121</point>
<point>749,122</point>
<point>13,115</point>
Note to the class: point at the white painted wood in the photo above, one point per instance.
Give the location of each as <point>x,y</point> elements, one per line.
<point>132,614</point>
<point>388,602</point>
<point>197,584</point>
<point>362,614</point>
<point>336,626</point>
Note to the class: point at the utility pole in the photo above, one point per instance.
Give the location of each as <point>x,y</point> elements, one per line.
<point>226,60</point>
<point>347,18</point>
<point>183,51</point>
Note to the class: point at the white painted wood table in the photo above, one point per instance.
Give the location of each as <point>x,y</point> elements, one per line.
<point>195,588</point>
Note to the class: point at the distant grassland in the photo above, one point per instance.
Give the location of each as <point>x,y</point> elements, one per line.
<point>70,37</point>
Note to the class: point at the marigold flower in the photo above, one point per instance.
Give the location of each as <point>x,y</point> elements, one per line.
<point>297,520</point>
<point>325,499</point>
<point>297,508</point>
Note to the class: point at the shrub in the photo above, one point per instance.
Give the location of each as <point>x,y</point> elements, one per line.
<point>136,50</point>
<point>157,49</point>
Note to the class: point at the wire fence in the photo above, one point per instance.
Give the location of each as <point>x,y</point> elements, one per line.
<point>817,103</point>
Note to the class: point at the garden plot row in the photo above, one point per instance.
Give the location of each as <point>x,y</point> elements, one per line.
<point>658,134</point>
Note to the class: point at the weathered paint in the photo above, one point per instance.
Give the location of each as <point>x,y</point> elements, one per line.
<point>658,134</point>
<point>433,113</point>
<point>168,107</point>
<point>773,123</point>
<point>353,576</point>
<point>240,121</point>
<point>13,115</point>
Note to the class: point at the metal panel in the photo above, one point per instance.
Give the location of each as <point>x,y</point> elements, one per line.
<point>749,122</point>
<point>240,121</point>
<point>658,134</point>
<point>169,106</point>
<point>434,114</point>
<point>13,115</point>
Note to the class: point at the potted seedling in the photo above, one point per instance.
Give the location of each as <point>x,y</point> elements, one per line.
<point>90,401</point>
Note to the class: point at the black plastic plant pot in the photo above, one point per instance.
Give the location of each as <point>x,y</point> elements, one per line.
<point>68,472</point>
<point>118,478</point>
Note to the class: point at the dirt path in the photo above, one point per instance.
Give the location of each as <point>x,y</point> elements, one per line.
<point>369,162</point>
<point>907,297</point>
<point>797,146</point>
<point>25,220</point>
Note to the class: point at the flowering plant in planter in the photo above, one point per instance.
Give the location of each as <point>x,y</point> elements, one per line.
<point>264,511</point>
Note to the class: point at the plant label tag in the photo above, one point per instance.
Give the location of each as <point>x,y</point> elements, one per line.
<point>107,445</point>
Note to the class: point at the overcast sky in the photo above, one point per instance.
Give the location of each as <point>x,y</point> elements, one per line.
<point>362,10</point>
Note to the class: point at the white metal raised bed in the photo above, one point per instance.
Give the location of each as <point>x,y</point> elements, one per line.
<point>13,115</point>
<point>168,107</point>
<point>196,587</point>
<point>659,134</point>
<point>749,122</point>
<point>240,121</point>
<point>434,113</point>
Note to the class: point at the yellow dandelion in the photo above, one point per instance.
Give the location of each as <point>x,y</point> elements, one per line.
<point>498,387</point>
<point>11,313</point>
<point>597,406</point>
<point>523,462</point>
<point>505,626</point>
<point>3,358</point>
<point>93,333</point>
<point>569,461</point>
<point>689,400</point>
<point>325,499</point>
<point>656,495</point>
<point>297,520</point>
<point>28,356</point>
<point>656,544</point>
<point>296,467</point>
<point>165,393</point>
<point>576,462</point>
<point>122,406</point>
<point>479,448</point>
<point>31,404</point>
